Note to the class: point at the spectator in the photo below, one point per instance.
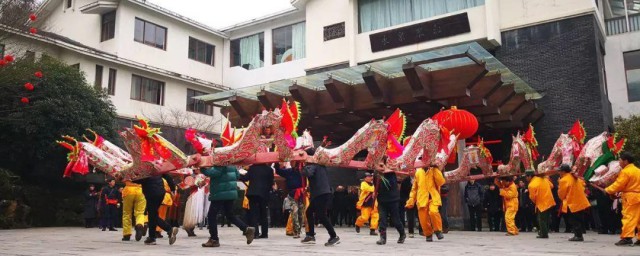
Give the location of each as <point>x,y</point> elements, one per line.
<point>473,195</point>
<point>493,206</point>
<point>525,208</point>
<point>90,206</point>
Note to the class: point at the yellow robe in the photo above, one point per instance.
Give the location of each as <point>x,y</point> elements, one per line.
<point>166,203</point>
<point>540,193</point>
<point>571,192</point>
<point>369,212</point>
<point>133,204</point>
<point>510,204</point>
<point>425,192</point>
<point>628,182</point>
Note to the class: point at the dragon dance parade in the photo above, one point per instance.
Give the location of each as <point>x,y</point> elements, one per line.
<point>326,127</point>
<point>273,143</point>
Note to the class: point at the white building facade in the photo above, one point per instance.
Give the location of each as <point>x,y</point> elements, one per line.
<point>152,60</point>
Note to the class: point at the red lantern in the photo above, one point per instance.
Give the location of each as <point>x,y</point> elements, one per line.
<point>28,86</point>
<point>24,100</point>
<point>8,58</point>
<point>38,74</point>
<point>33,30</point>
<point>32,17</point>
<point>460,121</point>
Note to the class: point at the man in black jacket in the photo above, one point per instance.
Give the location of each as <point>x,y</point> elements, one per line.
<point>493,206</point>
<point>260,178</point>
<point>473,195</point>
<point>153,190</point>
<point>526,209</point>
<point>320,193</point>
<point>388,204</point>
<point>110,197</point>
<point>412,214</point>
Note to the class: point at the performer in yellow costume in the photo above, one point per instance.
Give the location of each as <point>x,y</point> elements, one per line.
<point>574,201</point>
<point>425,192</point>
<point>367,205</point>
<point>541,195</point>
<point>164,208</point>
<point>509,193</point>
<point>133,204</point>
<point>628,183</point>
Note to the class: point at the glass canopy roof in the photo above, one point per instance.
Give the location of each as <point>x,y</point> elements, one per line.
<point>391,68</point>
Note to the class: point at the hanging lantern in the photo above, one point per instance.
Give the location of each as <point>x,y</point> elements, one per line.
<point>459,120</point>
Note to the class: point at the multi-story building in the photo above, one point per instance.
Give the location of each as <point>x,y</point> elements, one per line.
<point>622,58</point>
<point>509,62</point>
<point>150,60</point>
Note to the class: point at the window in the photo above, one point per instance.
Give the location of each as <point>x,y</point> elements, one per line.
<point>201,51</point>
<point>30,56</point>
<point>150,34</point>
<point>248,52</point>
<point>1,51</point>
<point>98,82</point>
<point>111,86</point>
<point>288,43</point>
<point>108,26</point>
<point>198,106</point>
<point>377,14</point>
<point>76,66</point>
<point>632,67</point>
<point>147,90</point>
<point>69,3</point>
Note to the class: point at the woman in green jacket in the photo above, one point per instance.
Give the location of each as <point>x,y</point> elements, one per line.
<point>223,191</point>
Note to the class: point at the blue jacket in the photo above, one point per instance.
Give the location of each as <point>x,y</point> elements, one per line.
<point>293,178</point>
<point>223,184</point>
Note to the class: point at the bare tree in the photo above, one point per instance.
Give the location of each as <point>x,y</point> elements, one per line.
<point>14,14</point>
<point>182,119</point>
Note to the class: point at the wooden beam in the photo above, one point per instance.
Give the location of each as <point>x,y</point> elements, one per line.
<point>501,95</point>
<point>455,82</point>
<point>536,116</point>
<point>340,93</point>
<point>269,100</point>
<point>486,86</point>
<point>419,80</point>
<point>507,125</point>
<point>485,111</point>
<point>472,102</point>
<point>306,97</point>
<point>478,77</point>
<point>377,85</point>
<point>496,118</point>
<point>513,104</point>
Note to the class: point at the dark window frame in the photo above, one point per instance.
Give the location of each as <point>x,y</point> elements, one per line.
<point>199,44</point>
<point>2,49</point>
<point>193,104</point>
<point>273,42</point>
<point>108,26</point>
<point>111,84</point>
<point>628,66</point>
<point>234,60</point>
<point>147,41</point>
<point>97,83</point>
<point>69,4</point>
<point>141,97</point>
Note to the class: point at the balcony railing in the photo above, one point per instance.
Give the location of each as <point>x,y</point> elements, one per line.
<point>619,25</point>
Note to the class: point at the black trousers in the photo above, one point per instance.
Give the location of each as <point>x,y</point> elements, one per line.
<point>258,209</point>
<point>318,209</point>
<point>109,215</point>
<point>543,223</point>
<point>153,204</point>
<point>389,208</point>
<point>494,219</point>
<point>227,210</point>
<point>524,218</point>
<point>475,215</point>
<point>274,216</point>
<point>576,219</point>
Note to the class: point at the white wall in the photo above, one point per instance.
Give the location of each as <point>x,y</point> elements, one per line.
<point>477,21</point>
<point>616,75</point>
<point>238,77</point>
<point>85,28</point>
<point>319,15</point>
<point>518,13</point>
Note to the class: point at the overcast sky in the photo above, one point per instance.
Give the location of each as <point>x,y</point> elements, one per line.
<point>223,13</point>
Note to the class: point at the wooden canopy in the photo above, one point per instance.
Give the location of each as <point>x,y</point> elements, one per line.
<point>341,105</point>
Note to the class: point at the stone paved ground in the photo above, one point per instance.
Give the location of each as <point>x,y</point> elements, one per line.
<point>79,241</point>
